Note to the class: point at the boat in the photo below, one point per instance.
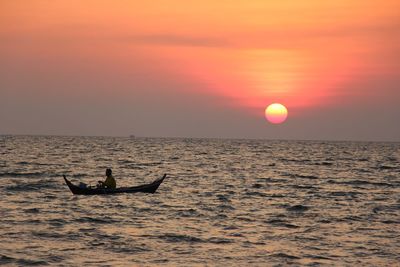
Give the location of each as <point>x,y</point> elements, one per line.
<point>82,189</point>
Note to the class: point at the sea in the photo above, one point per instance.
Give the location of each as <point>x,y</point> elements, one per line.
<point>223,203</point>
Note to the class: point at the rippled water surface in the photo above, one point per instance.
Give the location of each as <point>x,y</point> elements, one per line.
<point>224,202</point>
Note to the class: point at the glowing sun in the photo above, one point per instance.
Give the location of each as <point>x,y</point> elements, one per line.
<point>276,113</point>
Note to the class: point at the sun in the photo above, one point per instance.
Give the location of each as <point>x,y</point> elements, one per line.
<point>276,113</point>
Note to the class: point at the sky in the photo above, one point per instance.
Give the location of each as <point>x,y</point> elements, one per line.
<point>169,68</point>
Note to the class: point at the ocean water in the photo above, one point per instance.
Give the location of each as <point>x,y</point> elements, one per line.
<point>224,202</point>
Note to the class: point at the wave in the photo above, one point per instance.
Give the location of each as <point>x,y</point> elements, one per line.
<point>32,210</point>
<point>295,160</point>
<point>360,182</point>
<point>303,186</point>
<point>122,247</point>
<point>298,208</point>
<point>22,174</point>
<point>390,222</point>
<point>277,195</point>
<point>223,198</point>
<point>95,220</point>
<point>273,180</point>
<point>386,167</point>
<point>34,174</point>
<point>219,240</point>
<point>256,193</point>
<point>57,222</point>
<point>188,213</point>
<point>175,238</point>
<point>257,185</point>
<point>281,223</point>
<point>304,176</point>
<point>20,262</point>
<point>43,234</point>
<point>150,164</point>
<point>6,259</point>
<point>42,184</point>
<point>343,194</point>
<point>245,218</point>
<point>324,163</point>
<point>225,207</point>
<point>38,163</point>
<point>317,257</point>
<point>286,256</point>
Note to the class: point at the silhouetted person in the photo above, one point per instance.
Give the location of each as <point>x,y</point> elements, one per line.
<point>109,182</point>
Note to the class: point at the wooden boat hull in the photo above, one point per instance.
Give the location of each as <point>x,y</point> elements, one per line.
<point>147,188</point>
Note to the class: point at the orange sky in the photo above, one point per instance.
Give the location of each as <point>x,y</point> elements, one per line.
<point>306,55</point>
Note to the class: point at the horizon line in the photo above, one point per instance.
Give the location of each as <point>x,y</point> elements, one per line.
<point>208,137</point>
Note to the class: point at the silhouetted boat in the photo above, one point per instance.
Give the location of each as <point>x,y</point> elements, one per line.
<point>147,188</point>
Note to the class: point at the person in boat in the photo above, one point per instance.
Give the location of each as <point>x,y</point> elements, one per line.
<point>109,182</point>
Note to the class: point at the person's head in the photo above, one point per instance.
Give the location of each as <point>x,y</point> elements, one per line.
<point>108,172</point>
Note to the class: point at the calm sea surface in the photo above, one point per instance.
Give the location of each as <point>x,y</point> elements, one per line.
<point>224,202</point>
